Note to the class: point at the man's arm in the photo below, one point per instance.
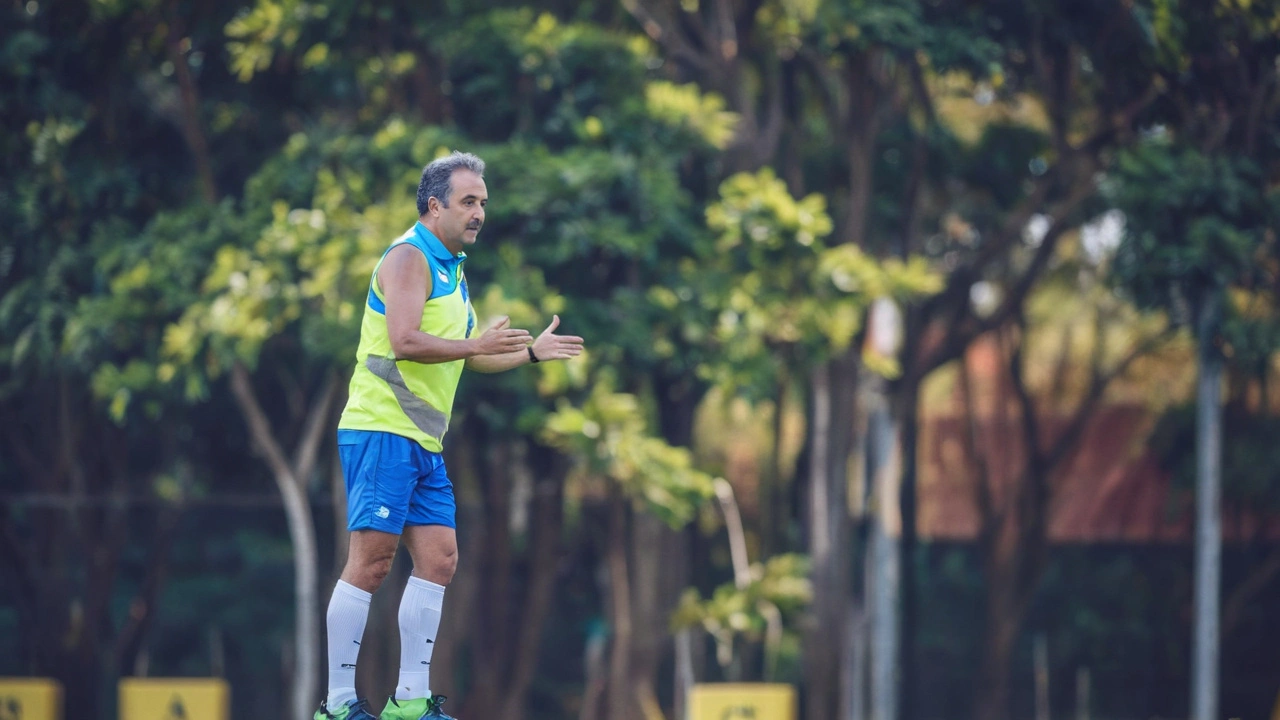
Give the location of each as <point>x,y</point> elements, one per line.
<point>406,285</point>
<point>498,363</point>
<point>547,346</point>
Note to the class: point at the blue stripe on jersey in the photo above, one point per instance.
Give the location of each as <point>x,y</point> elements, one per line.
<point>444,267</point>
<point>466,299</point>
<point>376,303</point>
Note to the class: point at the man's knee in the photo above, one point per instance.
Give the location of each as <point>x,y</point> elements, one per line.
<point>437,564</point>
<point>366,570</point>
<point>441,564</point>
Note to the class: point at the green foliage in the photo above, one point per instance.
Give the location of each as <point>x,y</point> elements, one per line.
<point>563,83</point>
<point>1194,223</point>
<point>946,36</point>
<point>683,106</point>
<point>778,589</point>
<point>256,34</point>
<point>780,291</point>
<point>609,434</point>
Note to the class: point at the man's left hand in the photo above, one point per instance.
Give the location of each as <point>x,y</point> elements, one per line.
<point>549,346</point>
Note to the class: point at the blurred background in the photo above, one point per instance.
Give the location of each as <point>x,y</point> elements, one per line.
<point>920,331</point>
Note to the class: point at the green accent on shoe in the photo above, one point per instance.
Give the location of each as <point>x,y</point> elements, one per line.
<point>415,709</point>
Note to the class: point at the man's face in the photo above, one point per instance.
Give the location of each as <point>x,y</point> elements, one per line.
<point>460,222</point>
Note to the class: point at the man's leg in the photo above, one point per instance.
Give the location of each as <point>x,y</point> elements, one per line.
<point>379,478</point>
<point>434,549</point>
<point>369,559</point>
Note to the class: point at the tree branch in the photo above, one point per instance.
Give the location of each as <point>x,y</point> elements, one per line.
<point>307,452</point>
<point>1097,388</point>
<point>952,307</point>
<point>1030,417</point>
<point>192,128</point>
<point>259,427</point>
<point>666,34</point>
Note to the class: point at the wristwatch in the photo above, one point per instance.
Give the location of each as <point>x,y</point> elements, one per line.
<point>532,358</point>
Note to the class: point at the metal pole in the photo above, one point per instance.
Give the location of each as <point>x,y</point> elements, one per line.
<point>1208,553</point>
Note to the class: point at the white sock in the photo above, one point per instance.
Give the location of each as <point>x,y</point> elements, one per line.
<point>348,613</point>
<point>419,621</point>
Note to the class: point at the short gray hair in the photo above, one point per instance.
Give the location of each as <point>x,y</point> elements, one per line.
<point>437,177</point>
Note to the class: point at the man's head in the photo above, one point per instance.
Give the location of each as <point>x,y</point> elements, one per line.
<point>451,199</point>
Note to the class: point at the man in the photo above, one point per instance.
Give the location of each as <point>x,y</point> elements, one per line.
<point>415,338</point>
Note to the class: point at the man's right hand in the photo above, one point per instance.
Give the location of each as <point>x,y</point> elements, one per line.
<point>502,339</point>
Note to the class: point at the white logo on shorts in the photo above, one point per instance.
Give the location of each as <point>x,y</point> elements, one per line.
<point>383,512</point>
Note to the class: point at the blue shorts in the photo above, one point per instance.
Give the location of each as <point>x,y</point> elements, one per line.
<point>392,482</point>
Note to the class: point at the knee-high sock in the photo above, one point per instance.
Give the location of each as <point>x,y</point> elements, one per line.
<point>419,620</point>
<point>344,622</point>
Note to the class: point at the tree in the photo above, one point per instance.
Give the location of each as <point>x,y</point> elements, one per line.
<point>1205,207</point>
<point>1022,432</point>
<point>1211,154</point>
<point>93,168</point>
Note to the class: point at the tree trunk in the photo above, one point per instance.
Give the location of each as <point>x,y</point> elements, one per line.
<point>909,421</point>
<point>773,506</point>
<point>491,623</point>
<point>544,556</point>
<point>1208,553</point>
<point>655,589</point>
<point>827,513</point>
<point>1003,620</point>
<point>290,480</point>
<point>620,705</point>
<point>306,560</point>
<point>862,126</point>
<point>457,620</point>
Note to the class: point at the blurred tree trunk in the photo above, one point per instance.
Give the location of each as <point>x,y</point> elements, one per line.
<point>1011,542</point>
<point>908,412</point>
<point>658,578</point>
<point>292,476</point>
<point>507,624</point>
<point>491,639</point>
<point>773,507</point>
<point>619,701</point>
<point>830,533</point>
<point>547,522</point>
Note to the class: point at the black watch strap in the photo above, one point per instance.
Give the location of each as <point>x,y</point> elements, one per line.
<point>532,358</point>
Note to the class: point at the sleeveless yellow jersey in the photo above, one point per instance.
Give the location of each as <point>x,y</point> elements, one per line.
<point>411,399</point>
